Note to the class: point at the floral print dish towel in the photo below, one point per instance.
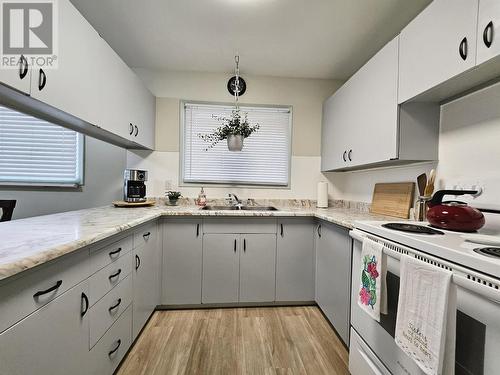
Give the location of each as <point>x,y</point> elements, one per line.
<point>372,296</point>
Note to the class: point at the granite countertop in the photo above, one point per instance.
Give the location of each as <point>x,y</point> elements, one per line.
<point>27,243</point>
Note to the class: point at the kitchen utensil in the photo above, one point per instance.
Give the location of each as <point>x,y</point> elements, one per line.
<point>454,215</point>
<point>482,239</point>
<point>149,202</point>
<point>429,189</point>
<point>422,183</point>
<point>393,199</point>
<point>421,209</point>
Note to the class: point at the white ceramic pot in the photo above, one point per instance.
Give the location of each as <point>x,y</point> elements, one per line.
<point>235,142</point>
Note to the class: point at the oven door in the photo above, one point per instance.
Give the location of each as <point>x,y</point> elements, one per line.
<point>478,327</point>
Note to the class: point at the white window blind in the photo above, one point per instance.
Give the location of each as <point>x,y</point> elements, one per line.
<point>264,160</point>
<point>34,151</point>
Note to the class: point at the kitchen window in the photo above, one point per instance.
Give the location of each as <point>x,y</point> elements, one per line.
<point>37,152</point>
<point>264,160</point>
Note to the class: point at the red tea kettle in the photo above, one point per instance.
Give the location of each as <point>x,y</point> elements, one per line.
<point>454,215</point>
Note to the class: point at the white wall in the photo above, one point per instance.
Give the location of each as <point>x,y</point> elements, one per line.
<point>469,153</point>
<point>306,96</point>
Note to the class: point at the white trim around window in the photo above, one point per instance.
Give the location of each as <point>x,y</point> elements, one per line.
<point>265,160</point>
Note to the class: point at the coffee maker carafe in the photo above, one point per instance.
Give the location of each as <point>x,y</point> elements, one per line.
<point>134,189</point>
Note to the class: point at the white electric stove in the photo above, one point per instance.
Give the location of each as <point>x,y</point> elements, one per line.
<point>476,275</point>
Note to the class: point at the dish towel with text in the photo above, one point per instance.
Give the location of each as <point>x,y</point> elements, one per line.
<point>426,319</point>
<point>372,296</point>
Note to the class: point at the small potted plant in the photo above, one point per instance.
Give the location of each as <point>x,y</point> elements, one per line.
<point>173,197</point>
<point>235,129</point>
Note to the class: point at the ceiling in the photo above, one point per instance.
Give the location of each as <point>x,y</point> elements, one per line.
<point>287,38</point>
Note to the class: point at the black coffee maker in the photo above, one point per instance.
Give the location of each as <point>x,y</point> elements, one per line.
<point>134,189</point>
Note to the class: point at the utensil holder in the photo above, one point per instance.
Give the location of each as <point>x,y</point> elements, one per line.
<point>421,208</point>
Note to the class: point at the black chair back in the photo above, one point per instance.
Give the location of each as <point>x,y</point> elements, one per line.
<point>7,207</point>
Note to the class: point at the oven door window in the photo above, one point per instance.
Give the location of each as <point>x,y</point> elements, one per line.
<point>471,334</point>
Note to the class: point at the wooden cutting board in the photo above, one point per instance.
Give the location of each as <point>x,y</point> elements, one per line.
<point>393,199</point>
<point>149,202</point>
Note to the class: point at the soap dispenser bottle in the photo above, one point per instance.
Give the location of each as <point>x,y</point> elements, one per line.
<point>202,198</point>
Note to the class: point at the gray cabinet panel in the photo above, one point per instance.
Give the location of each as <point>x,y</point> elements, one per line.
<point>295,260</point>
<point>146,282</point>
<point>257,267</point>
<point>333,276</point>
<point>182,262</point>
<point>54,340</point>
<point>221,254</point>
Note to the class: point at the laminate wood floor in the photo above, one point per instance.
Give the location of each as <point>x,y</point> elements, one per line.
<point>250,341</point>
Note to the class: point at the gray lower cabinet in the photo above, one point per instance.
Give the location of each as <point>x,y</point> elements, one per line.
<point>333,275</point>
<point>53,340</point>
<point>146,280</point>
<point>182,262</point>
<point>295,260</point>
<point>221,253</point>
<point>257,267</point>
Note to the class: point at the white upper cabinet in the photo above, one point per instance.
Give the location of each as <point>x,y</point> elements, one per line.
<point>73,84</point>
<point>19,77</point>
<point>360,121</point>
<point>438,44</point>
<point>488,30</point>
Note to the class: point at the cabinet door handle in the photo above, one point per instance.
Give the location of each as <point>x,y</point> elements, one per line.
<point>281,231</point>
<point>463,49</point>
<point>117,251</point>
<point>85,302</point>
<point>23,67</point>
<point>46,291</point>
<point>118,342</point>
<point>116,274</point>
<point>344,156</point>
<point>137,262</point>
<point>136,130</point>
<point>488,34</point>
<point>235,245</point>
<point>244,245</point>
<point>349,155</point>
<point>115,305</point>
<point>131,129</point>
<point>42,79</point>
<point>197,230</point>
<point>146,236</point>
<point>319,230</point>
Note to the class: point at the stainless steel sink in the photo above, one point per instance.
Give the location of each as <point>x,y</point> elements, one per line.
<point>242,208</point>
<point>259,208</point>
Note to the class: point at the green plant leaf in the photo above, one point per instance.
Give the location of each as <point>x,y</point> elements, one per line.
<point>365,279</point>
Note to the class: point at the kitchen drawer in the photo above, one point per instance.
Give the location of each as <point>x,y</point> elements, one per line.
<point>239,225</point>
<point>18,298</point>
<point>102,314</point>
<point>146,235</point>
<point>110,276</point>
<point>110,253</point>
<point>107,354</point>
<point>362,361</point>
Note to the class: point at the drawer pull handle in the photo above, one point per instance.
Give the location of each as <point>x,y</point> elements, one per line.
<point>115,305</point>
<point>245,245</point>
<point>319,230</point>
<point>197,230</point>
<point>146,235</point>
<point>117,251</point>
<point>137,262</point>
<point>85,300</point>
<point>118,343</point>
<point>51,289</point>
<point>235,245</point>
<point>116,274</point>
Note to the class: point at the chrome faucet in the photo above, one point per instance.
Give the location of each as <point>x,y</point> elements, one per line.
<point>233,198</point>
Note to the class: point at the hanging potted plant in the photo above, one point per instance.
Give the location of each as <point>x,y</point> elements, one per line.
<point>234,128</point>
